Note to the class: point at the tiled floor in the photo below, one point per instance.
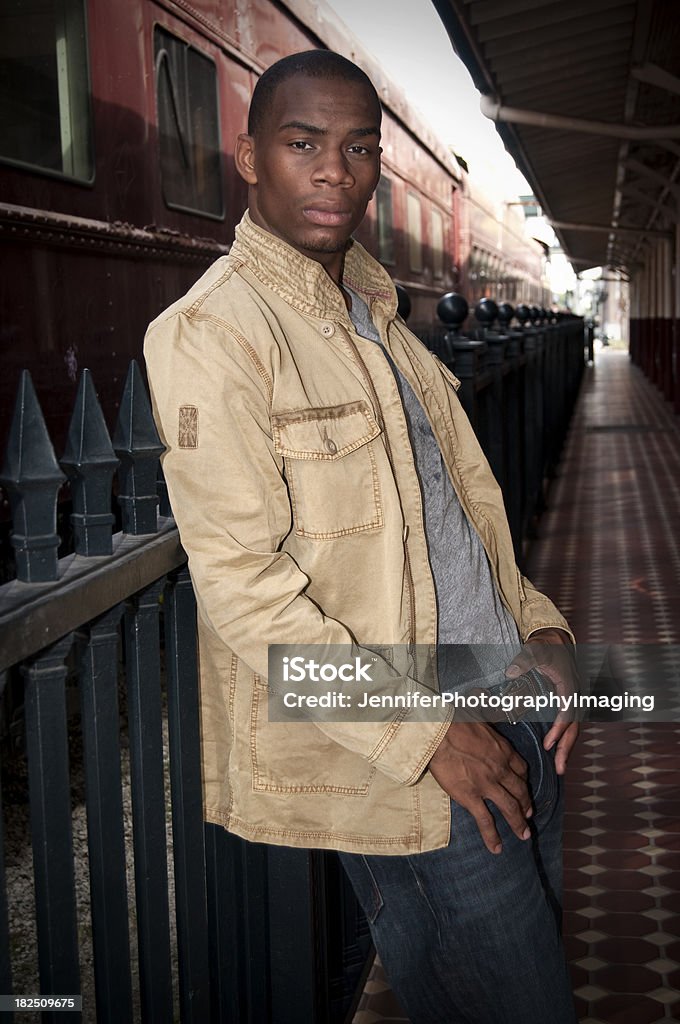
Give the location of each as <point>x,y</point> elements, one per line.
<point>608,553</point>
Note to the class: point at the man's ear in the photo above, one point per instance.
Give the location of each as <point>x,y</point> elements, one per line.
<point>244,158</point>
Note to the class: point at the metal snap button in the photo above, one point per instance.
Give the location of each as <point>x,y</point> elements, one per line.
<point>327,330</point>
<point>330,445</point>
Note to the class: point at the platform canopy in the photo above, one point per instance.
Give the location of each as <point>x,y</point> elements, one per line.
<point>586,96</point>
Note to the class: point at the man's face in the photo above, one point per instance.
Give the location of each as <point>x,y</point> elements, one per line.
<point>313,165</point>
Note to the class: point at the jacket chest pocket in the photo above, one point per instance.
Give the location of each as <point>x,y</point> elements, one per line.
<point>331,469</point>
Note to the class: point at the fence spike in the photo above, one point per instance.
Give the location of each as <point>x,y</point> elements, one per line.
<point>90,462</point>
<point>138,446</point>
<point>32,478</point>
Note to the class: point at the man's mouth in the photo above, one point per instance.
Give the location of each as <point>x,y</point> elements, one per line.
<point>327,216</point>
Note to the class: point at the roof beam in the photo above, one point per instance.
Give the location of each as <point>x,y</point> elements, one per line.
<point>626,229</point>
<point>499,112</point>
<point>649,172</point>
<point>642,197</point>
<point>672,147</point>
<point>654,75</point>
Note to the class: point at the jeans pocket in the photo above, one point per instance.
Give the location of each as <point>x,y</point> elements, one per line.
<point>366,888</point>
<point>543,780</point>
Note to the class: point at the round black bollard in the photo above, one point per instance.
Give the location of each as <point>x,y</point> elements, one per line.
<point>486,312</point>
<point>505,315</point>
<point>522,314</point>
<point>404,303</point>
<point>452,309</point>
<point>534,315</point>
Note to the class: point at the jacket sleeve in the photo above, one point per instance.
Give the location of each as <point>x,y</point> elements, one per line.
<point>211,398</point>
<point>538,612</point>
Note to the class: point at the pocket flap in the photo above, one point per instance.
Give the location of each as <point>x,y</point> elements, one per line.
<point>327,433</point>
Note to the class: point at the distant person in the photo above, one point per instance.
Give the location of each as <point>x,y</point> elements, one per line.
<point>329,489</point>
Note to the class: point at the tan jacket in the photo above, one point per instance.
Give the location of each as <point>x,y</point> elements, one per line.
<point>293,485</point>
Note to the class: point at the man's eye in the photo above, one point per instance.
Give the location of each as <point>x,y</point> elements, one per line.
<point>300,144</point>
<point>360,150</point>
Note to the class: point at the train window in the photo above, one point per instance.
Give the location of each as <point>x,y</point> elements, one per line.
<point>383,198</point>
<point>45,119</point>
<point>188,126</point>
<point>415,232</point>
<point>437,244</point>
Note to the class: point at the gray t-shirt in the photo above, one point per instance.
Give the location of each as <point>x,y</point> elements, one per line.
<point>470,610</point>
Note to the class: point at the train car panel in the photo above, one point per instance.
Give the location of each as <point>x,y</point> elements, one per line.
<point>117,184</point>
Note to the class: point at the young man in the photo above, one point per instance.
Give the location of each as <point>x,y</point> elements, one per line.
<point>329,490</point>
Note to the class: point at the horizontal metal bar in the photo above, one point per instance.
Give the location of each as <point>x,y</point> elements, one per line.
<point>34,615</point>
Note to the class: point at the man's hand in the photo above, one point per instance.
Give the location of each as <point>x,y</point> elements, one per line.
<point>550,651</point>
<point>474,763</point>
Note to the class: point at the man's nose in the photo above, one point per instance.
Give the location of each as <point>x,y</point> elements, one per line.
<point>333,168</point>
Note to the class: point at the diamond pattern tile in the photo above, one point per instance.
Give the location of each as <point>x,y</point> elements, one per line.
<point>608,552</point>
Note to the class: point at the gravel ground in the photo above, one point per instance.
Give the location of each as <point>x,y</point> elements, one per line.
<point>19,875</point>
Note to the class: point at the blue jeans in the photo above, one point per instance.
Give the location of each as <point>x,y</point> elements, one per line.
<point>469,937</point>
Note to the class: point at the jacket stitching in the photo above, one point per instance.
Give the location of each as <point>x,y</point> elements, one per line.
<point>374,524</point>
<point>230,268</point>
<point>352,837</point>
<point>245,345</point>
<point>259,785</point>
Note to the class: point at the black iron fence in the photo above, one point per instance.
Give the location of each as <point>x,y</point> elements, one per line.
<point>518,386</point>
<point>177,921</point>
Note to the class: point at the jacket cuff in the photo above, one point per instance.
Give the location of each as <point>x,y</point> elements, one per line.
<point>408,746</point>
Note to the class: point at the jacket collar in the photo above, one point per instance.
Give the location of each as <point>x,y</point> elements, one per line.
<point>303,283</point>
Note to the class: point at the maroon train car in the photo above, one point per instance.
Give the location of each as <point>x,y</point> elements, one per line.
<point>117,185</point>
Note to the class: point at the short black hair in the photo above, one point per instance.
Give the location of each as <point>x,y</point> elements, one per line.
<point>312,64</point>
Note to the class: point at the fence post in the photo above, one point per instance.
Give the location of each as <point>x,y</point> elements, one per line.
<point>6,986</point>
<point>533,417</point>
<point>515,426</point>
<point>486,312</point>
<point>32,477</point>
<point>459,353</point>
<point>187,798</point>
<point>297,905</point>
<point>90,462</point>
<point>51,833</point>
<point>105,827</point>
<point>138,446</point>
<point>142,655</point>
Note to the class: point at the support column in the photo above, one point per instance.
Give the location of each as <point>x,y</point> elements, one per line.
<point>645,313</point>
<point>650,368</point>
<point>634,319</point>
<point>666,321</point>
<point>676,324</point>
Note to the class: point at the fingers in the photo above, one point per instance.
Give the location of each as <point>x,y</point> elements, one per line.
<point>549,650</point>
<point>564,747</point>
<point>474,764</point>
<point>487,827</point>
<point>513,803</point>
<point>521,664</point>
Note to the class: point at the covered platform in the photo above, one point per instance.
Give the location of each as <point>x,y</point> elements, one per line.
<point>586,97</point>
<point>608,553</point>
